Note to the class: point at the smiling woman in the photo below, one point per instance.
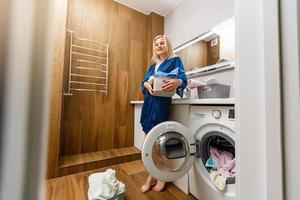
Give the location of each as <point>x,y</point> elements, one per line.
<point>155,108</point>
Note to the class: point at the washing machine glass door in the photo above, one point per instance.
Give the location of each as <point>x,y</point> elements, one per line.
<point>168,151</point>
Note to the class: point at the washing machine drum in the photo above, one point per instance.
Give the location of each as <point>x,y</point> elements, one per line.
<point>219,141</point>
<point>168,151</point>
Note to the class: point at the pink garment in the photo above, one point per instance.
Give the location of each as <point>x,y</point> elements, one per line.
<point>194,84</point>
<point>224,161</point>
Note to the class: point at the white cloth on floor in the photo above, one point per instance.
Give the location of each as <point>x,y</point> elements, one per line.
<point>104,185</point>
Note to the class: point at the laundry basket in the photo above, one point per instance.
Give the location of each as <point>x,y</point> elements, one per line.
<point>214,91</point>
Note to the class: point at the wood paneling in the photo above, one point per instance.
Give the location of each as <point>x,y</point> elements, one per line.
<point>200,54</point>
<point>5,11</point>
<point>155,27</point>
<point>87,121</point>
<point>55,107</point>
<point>194,55</point>
<point>213,52</point>
<point>132,174</point>
<point>93,121</point>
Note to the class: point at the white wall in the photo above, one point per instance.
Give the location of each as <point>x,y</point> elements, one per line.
<point>258,89</point>
<point>227,39</point>
<point>290,12</point>
<point>250,106</point>
<point>192,18</point>
<point>258,102</point>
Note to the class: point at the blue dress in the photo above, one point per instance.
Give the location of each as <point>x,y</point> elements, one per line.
<point>156,109</point>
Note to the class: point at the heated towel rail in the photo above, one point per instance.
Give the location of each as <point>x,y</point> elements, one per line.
<point>88,65</point>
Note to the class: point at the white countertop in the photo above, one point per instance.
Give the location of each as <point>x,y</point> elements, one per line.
<point>218,101</point>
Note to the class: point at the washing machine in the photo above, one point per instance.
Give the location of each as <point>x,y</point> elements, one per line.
<point>172,150</point>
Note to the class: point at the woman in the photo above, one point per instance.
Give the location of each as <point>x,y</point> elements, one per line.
<point>156,109</point>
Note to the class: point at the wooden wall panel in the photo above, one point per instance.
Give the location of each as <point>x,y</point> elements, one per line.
<point>157,24</point>
<point>199,54</point>
<point>73,129</point>
<point>194,55</point>
<point>106,122</point>
<point>136,67</point>
<point>155,27</point>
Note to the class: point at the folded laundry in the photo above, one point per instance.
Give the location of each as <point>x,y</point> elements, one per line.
<point>159,79</point>
<point>171,74</point>
<point>104,185</point>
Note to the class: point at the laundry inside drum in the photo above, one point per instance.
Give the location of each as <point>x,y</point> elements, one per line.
<point>223,145</point>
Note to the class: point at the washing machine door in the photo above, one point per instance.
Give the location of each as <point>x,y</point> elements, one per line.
<point>168,151</point>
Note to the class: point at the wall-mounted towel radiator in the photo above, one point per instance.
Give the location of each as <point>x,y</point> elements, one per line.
<point>88,65</point>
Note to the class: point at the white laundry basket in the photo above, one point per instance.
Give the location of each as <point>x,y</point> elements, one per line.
<point>214,91</point>
<point>219,79</point>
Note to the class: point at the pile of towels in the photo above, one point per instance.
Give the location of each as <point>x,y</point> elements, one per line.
<point>172,74</point>
<point>222,167</point>
<point>104,185</point>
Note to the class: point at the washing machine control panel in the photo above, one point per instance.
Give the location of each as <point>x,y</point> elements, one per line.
<point>231,114</point>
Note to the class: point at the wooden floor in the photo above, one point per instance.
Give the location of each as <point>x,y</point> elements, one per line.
<point>132,174</point>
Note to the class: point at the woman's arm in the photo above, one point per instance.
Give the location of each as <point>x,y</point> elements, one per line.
<point>146,78</point>
<point>178,83</point>
<point>171,84</point>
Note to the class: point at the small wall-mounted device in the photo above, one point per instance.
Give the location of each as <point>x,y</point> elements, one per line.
<point>214,42</point>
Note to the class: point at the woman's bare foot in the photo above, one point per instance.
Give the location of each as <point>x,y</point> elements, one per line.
<point>147,186</point>
<point>159,186</point>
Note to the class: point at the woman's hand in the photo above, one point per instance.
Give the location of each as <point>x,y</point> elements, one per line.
<point>148,86</point>
<point>171,84</point>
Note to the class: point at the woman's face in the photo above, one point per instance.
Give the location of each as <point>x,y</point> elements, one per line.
<point>160,47</point>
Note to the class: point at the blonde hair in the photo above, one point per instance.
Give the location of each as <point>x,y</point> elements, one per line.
<point>155,57</point>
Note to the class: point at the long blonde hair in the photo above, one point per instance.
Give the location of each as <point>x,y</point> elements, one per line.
<point>155,58</point>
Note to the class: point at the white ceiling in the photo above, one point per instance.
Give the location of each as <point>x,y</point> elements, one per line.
<point>161,7</point>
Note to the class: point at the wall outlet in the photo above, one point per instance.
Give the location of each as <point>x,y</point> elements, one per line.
<point>214,42</point>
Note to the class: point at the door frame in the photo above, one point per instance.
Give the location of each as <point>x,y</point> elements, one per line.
<point>258,100</point>
<point>25,101</point>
